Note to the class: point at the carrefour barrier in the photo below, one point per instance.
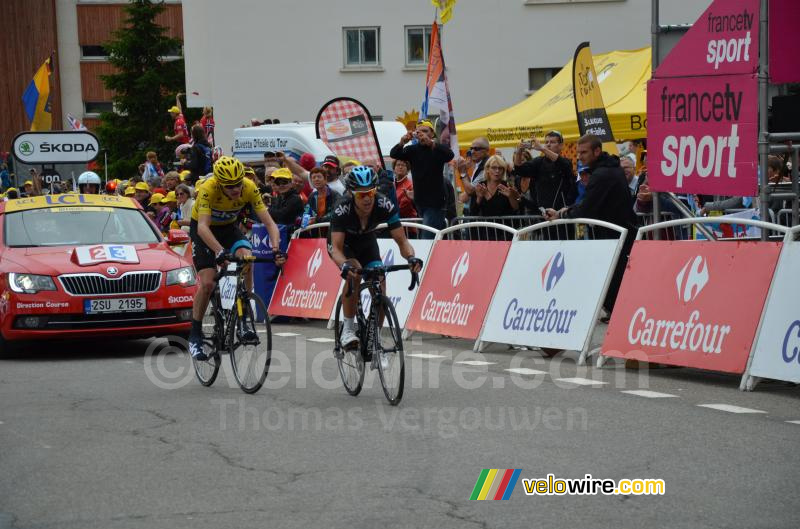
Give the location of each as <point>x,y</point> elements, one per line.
<point>550,291</point>
<point>692,304</point>
<point>459,282</point>
<point>309,283</point>
<point>777,348</point>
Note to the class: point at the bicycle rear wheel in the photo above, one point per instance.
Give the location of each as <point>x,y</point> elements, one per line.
<point>391,359</point>
<point>213,328</point>
<point>351,363</point>
<point>250,342</point>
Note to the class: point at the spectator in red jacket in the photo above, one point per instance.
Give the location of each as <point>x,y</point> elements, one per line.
<point>405,190</point>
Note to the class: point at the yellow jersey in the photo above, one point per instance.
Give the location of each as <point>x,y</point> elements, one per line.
<point>211,200</point>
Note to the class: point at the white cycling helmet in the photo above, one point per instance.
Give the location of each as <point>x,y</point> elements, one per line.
<point>89,177</point>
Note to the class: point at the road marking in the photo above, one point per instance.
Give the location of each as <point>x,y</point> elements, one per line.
<point>729,408</point>
<point>321,340</point>
<point>128,361</point>
<point>790,422</point>
<point>475,362</point>
<point>649,394</point>
<point>427,356</point>
<point>582,381</point>
<point>286,334</point>
<point>526,371</point>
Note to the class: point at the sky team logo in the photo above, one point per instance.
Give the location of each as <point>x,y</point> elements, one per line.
<point>692,278</point>
<point>459,270</point>
<point>553,271</point>
<point>314,263</point>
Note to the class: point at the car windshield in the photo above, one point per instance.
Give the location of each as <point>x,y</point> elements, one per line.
<point>70,226</point>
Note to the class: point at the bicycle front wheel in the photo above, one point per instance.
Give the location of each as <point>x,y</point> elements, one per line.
<point>250,342</point>
<point>213,328</point>
<point>351,363</point>
<point>388,347</point>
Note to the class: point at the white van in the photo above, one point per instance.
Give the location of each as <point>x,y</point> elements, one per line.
<point>250,143</point>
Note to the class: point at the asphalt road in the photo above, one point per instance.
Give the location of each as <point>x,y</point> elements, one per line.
<point>120,435</point>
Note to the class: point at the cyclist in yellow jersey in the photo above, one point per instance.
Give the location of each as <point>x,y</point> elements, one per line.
<point>214,234</point>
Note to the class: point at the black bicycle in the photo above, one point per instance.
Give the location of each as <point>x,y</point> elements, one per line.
<point>236,322</point>
<point>380,345</point>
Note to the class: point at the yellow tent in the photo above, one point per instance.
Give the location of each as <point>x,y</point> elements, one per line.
<point>623,77</point>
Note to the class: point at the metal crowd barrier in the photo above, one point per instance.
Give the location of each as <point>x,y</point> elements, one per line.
<point>486,228</point>
<point>774,231</point>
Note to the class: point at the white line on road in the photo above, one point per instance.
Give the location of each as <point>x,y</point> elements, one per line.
<point>321,340</point>
<point>582,381</point>
<point>426,356</point>
<point>526,371</point>
<point>790,422</point>
<point>286,334</point>
<point>649,394</point>
<point>730,408</point>
<point>475,362</point>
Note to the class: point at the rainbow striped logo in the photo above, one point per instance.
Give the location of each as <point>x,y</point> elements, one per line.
<point>495,484</point>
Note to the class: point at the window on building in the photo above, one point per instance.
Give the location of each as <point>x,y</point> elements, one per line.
<point>93,52</point>
<point>95,108</point>
<point>418,42</point>
<point>538,77</point>
<point>362,47</point>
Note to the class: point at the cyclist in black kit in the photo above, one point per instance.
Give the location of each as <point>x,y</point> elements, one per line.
<point>352,241</point>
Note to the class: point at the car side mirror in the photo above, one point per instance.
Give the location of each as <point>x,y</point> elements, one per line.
<point>177,237</point>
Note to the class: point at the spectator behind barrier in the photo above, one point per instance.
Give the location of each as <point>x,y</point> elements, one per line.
<point>183,194</point>
<point>495,198</point>
<point>287,206</point>
<point>404,188</point>
<point>478,153</point>
<point>427,159</point>
<point>323,198</point>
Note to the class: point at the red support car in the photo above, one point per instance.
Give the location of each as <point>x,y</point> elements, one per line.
<point>75,266</point>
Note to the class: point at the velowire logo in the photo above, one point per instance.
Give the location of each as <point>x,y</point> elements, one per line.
<point>459,270</point>
<point>314,263</point>
<point>692,279</point>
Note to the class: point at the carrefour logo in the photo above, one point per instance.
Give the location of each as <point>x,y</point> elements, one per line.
<point>388,259</point>
<point>553,271</point>
<point>792,340</point>
<point>314,263</point>
<point>692,278</point>
<point>459,270</point>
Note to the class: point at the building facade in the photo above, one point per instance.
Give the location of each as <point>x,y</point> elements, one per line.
<point>76,30</point>
<point>284,59</point>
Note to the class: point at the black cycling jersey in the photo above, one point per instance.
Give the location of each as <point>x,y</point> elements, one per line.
<point>345,219</point>
<point>362,244</point>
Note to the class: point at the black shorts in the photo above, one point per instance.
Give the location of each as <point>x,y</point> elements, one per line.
<point>202,255</point>
<point>363,249</point>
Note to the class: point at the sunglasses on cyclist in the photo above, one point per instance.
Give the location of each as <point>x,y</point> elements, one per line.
<point>364,194</point>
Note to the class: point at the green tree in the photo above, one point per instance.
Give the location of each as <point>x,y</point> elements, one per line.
<point>144,87</point>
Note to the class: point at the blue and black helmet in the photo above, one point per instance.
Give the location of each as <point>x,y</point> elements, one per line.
<point>361,176</point>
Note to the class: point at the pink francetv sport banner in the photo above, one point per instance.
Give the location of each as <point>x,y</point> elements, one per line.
<point>702,135</point>
<point>723,41</point>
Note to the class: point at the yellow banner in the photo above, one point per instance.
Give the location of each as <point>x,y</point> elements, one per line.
<point>69,200</point>
<point>592,116</point>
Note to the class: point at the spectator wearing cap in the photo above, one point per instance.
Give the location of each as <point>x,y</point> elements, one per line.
<point>179,123</point>
<point>11,193</point>
<point>607,198</point>
<point>142,194</point>
<point>155,205</point>
<point>322,198</point>
<point>427,159</point>
<point>404,188</point>
<point>129,191</point>
<point>287,206</point>
<point>28,189</point>
<point>348,166</point>
<point>169,204</point>
<point>583,181</point>
<point>552,181</point>
<point>471,176</point>
<point>333,167</point>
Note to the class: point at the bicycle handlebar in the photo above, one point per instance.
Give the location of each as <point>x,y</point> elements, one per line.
<point>380,271</point>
